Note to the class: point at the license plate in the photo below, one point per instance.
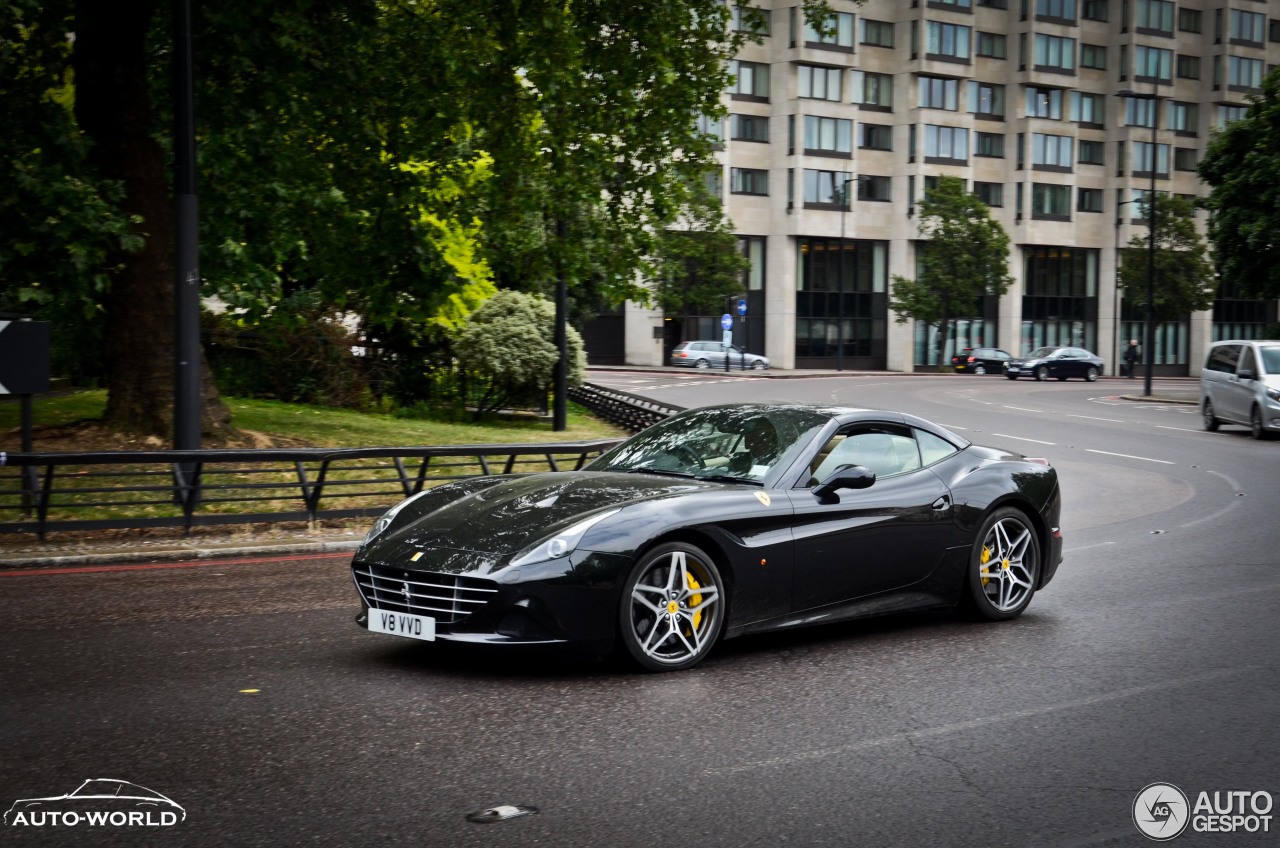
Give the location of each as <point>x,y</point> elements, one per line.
<point>402,624</point>
<point>1013,369</point>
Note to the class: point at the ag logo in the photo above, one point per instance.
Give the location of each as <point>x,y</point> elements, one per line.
<point>1161,811</point>
<point>763,497</point>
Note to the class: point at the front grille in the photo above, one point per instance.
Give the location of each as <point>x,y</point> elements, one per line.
<point>448,598</point>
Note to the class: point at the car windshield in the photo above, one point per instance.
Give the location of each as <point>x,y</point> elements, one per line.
<point>1042,352</point>
<point>734,444</point>
<point>1270,358</point>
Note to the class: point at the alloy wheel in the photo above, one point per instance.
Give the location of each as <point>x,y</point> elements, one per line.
<point>673,608</point>
<point>1007,565</point>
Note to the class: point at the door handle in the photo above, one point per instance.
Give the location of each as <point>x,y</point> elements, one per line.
<point>942,502</point>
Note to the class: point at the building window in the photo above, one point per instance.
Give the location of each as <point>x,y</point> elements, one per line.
<point>1044,102</point>
<point>1089,199</point>
<point>1188,67</point>
<point>873,91</point>
<point>1227,114</point>
<point>748,19</point>
<point>748,181</point>
<point>1244,73</point>
<point>939,93</point>
<point>947,41</point>
<point>713,180</point>
<point>1093,56</point>
<point>1139,112</point>
<point>751,80</point>
<point>749,128</point>
<point>828,136</point>
<point>994,4</point>
<point>875,136</point>
<point>1155,17</point>
<point>877,33</point>
<point>1184,118</point>
<point>1054,53</point>
<point>1142,159</point>
<point>1051,202</point>
<point>839,37</point>
<point>1060,303</point>
<point>1248,28</point>
<point>1153,64</point>
<point>986,100</point>
<point>1051,152</point>
<point>1094,10</point>
<point>989,144</point>
<point>752,247</point>
<point>821,295</point>
<point>1056,10</point>
<point>991,194</point>
<point>714,128</point>
<point>963,4</point>
<point>823,188</point>
<point>1184,159</point>
<point>818,83</point>
<point>992,45</point>
<point>1273,31</point>
<point>873,188</point>
<point>1092,152</point>
<point>946,143</point>
<point>1190,20</point>
<point>1088,109</point>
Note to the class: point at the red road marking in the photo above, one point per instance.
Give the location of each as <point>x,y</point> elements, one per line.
<point>153,566</point>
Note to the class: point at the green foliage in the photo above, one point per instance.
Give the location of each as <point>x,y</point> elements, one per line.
<point>1242,166</point>
<point>966,255</point>
<point>509,348</point>
<point>1184,281</point>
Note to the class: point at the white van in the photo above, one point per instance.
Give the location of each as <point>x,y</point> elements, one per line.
<point>1240,384</point>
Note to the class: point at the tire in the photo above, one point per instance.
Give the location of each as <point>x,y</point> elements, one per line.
<point>1009,541</point>
<point>672,609</point>
<point>1042,373</point>
<point>703,364</point>
<point>1256,429</point>
<point>1011,376</point>
<point>758,365</point>
<point>1062,379</point>
<point>1091,375</point>
<point>980,370</point>
<point>1210,420</point>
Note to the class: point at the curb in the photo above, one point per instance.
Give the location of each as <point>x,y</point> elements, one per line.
<point>173,554</point>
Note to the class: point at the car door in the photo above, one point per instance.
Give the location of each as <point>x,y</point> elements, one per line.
<point>1239,392</point>
<point>862,542</point>
<point>1072,363</point>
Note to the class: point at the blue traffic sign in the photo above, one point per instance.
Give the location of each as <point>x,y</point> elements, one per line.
<point>742,306</point>
<point>726,321</point>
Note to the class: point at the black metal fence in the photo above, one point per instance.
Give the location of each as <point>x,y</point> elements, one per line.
<point>44,492</point>
<point>627,411</point>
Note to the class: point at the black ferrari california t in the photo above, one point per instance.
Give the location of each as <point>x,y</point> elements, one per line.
<point>714,523</point>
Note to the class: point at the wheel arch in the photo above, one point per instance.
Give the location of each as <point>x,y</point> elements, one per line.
<point>1044,533</point>
<point>705,542</point>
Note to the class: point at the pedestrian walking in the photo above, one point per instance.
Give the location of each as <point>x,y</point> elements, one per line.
<point>1132,358</point>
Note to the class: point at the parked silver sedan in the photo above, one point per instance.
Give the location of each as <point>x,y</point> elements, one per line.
<point>711,354</point>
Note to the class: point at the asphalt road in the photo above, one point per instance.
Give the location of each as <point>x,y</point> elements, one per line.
<point>243,691</point>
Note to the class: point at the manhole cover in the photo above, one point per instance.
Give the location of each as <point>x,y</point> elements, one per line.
<point>500,813</point>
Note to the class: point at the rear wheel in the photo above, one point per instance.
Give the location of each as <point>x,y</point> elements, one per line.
<point>1004,566</point>
<point>1211,421</point>
<point>702,363</point>
<point>758,365</point>
<point>672,608</point>
<point>980,369</point>
<point>1042,373</point>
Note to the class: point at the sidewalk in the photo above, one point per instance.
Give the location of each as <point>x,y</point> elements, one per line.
<point>71,550</point>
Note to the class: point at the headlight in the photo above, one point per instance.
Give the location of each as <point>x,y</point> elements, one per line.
<point>380,526</point>
<point>1274,394</point>
<point>564,542</point>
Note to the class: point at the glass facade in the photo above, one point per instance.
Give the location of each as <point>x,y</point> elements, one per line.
<point>1060,298</point>
<point>852,317</point>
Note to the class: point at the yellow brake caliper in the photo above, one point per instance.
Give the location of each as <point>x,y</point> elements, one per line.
<point>986,558</point>
<point>694,601</point>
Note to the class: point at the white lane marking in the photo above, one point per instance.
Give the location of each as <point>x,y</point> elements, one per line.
<point>1095,418</point>
<point>1235,503</point>
<point>1021,439</point>
<point>964,726</point>
<point>1021,408</point>
<point>1180,429</point>
<point>1131,456</point>
<point>1086,547</point>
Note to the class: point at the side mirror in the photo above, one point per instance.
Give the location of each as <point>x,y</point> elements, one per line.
<point>1246,374</point>
<point>844,477</point>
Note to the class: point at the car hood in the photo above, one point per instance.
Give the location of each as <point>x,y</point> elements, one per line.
<point>517,512</point>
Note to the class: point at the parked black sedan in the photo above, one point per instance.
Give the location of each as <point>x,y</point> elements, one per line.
<point>980,360</point>
<point>1060,362</point>
<point>718,522</point>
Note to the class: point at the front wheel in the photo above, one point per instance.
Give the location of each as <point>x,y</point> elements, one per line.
<point>672,608</point>
<point>1011,376</point>
<point>1004,566</point>
<point>758,365</point>
<point>1211,421</point>
<point>1256,428</point>
<point>1042,373</point>
<point>1092,374</point>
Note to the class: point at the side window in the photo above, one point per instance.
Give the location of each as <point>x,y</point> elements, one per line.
<point>886,449</point>
<point>1248,362</point>
<point>932,448</point>
<point>1223,358</point>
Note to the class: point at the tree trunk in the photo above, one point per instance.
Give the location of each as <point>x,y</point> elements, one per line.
<point>113,108</point>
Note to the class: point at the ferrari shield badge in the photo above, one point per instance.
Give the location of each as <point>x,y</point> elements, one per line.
<point>763,497</point>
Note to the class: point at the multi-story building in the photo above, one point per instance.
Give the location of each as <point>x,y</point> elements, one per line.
<point>1059,114</point>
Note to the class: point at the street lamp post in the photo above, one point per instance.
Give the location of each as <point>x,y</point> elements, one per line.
<point>844,207</point>
<point>1149,342</point>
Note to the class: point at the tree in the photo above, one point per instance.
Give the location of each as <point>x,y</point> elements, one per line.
<point>1242,166</point>
<point>508,345</point>
<point>1184,281</point>
<point>965,255</point>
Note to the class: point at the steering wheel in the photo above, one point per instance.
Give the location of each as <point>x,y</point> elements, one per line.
<point>689,455</point>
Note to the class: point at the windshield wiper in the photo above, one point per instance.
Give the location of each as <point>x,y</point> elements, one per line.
<point>729,478</point>
<point>659,471</point>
